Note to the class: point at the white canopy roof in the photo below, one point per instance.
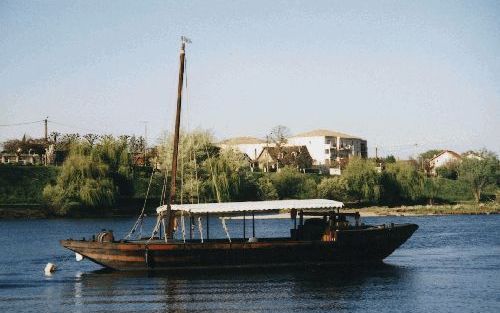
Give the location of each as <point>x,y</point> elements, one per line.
<point>256,206</point>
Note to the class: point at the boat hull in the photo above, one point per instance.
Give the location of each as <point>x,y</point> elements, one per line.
<point>349,246</point>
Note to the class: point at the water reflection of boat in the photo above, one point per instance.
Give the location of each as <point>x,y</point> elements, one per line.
<point>277,289</point>
<point>326,237</point>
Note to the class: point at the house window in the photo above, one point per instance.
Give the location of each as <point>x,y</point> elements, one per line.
<point>327,151</point>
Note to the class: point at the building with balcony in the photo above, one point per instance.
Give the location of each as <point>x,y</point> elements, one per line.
<point>330,148</point>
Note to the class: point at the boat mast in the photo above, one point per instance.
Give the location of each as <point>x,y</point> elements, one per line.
<point>171,198</point>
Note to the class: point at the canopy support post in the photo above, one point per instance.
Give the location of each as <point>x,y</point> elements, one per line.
<point>190,226</point>
<point>208,228</point>
<point>244,225</point>
<point>159,230</point>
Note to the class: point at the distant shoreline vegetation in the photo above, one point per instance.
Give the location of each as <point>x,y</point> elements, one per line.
<point>100,177</point>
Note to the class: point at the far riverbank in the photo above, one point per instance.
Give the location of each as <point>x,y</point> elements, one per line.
<point>41,212</point>
<point>425,210</point>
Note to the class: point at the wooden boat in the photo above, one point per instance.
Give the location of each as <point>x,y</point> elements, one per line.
<point>325,237</point>
<point>321,233</point>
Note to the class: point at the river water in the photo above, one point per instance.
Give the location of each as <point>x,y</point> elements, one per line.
<point>451,264</point>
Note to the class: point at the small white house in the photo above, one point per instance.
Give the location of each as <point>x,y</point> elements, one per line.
<point>442,159</point>
<point>20,159</point>
<point>250,146</point>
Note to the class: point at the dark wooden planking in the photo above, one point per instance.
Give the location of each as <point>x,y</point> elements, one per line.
<point>351,246</point>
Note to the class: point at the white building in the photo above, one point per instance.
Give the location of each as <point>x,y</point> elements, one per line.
<point>442,159</point>
<point>326,146</point>
<point>250,146</point>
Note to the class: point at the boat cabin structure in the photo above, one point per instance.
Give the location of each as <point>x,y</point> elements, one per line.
<point>328,210</point>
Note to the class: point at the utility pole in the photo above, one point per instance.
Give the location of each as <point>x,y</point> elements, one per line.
<point>145,139</point>
<point>46,129</point>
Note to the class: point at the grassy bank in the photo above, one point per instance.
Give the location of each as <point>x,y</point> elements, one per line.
<point>419,210</point>
<point>21,189</point>
<point>25,211</point>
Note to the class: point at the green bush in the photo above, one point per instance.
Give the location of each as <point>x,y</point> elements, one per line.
<point>24,184</point>
<point>334,188</point>
<point>266,189</point>
<point>290,184</point>
<point>449,171</point>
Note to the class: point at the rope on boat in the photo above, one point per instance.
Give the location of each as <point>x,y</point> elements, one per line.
<point>164,188</point>
<point>200,228</point>
<point>155,229</point>
<point>163,223</point>
<point>223,221</point>
<point>141,216</point>
<point>183,227</point>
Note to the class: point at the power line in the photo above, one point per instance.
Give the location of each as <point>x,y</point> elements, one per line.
<point>19,124</point>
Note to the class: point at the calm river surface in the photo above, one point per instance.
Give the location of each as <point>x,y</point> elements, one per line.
<point>451,264</point>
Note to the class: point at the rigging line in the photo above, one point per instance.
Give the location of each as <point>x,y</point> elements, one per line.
<point>420,143</point>
<point>156,228</point>
<point>196,177</point>
<point>141,216</point>
<point>21,123</point>
<point>185,71</point>
<point>182,178</point>
<point>164,188</point>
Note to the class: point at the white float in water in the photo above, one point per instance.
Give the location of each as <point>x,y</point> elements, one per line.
<point>78,257</point>
<point>49,269</point>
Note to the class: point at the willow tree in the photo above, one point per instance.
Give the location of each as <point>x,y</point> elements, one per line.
<point>92,176</point>
<point>410,183</point>
<point>362,179</point>
<point>83,182</point>
<point>193,174</point>
<point>115,154</point>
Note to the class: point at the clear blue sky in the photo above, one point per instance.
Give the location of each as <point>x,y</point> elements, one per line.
<point>395,73</point>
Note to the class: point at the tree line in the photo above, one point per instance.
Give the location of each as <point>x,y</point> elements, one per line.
<point>99,171</point>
